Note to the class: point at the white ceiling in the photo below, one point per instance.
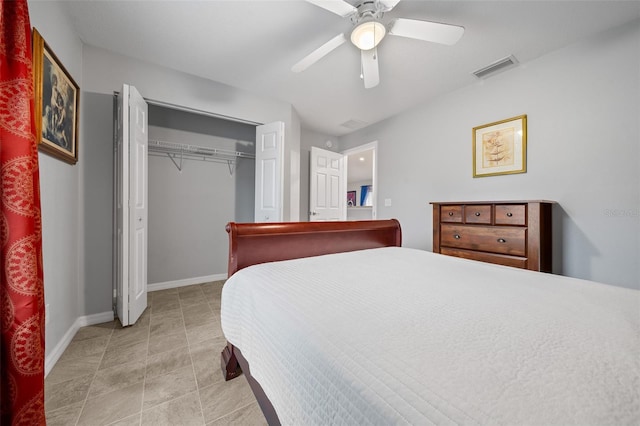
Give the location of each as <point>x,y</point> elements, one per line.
<point>253,44</point>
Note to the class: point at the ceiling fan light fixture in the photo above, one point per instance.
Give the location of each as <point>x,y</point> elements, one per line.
<point>368,35</point>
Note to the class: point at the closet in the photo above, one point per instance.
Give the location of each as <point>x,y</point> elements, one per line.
<point>201,176</point>
<point>180,176</point>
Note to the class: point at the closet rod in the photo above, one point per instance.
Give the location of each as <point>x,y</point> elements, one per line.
<point>177,151</point>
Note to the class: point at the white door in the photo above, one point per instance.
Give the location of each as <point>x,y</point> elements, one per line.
<point>328,186</point>
<point>269,172</point>
<point>132,159</point>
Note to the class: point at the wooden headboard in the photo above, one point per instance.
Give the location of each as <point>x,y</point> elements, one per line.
<point>253,243</point>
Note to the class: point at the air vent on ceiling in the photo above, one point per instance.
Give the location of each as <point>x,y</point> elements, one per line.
<point>354,124</point>
<point>499,65</point>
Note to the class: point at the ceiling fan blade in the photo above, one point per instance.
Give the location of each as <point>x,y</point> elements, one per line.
<point>339,7</point>
<point>389,4</point>
<point>320,52</point>
<point>427,31</point>
<point>370,72</point>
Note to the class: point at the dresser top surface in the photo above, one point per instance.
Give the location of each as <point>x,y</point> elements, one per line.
<point>493,202</point>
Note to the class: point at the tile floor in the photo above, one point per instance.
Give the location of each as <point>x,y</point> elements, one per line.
<point>164,370</point>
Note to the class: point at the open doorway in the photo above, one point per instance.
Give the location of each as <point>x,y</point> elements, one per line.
<point>362,182</point>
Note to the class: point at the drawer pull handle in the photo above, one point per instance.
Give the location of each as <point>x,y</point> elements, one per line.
<point>502,240</point>
<point>450,213</point>
<point>456,236</point>
<point>477,213</point>
<point>509,214</point>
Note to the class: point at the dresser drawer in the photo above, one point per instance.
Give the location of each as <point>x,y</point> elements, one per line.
<point>451,214</point>
<point>500,259</point>
<point>511,214</point>
<point>477,214</point>
<point>504,240</point>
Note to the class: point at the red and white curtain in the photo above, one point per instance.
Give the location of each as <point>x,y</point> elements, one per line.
<point>21,289</point>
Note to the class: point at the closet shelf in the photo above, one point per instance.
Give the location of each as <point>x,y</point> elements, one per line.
<point>178,152</point>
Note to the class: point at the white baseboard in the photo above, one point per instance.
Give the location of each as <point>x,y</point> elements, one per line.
<point>185,282</point>
<point>80,322</point>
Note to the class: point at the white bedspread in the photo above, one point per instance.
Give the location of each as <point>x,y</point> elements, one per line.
<point>402,336</point>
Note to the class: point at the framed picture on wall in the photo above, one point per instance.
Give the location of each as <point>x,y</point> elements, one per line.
<point>56,103</point>
<point>500,148</point>
<point>351,199</point>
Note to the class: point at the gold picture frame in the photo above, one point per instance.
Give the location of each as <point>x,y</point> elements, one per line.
<point>56,102</point>
<point>500,148</point>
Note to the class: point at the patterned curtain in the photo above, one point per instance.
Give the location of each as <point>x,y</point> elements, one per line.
<point>21,289</point>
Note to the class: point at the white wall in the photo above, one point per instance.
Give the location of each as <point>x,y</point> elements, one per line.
<point>105,72</point>
<point>60,192</point>
<point>583,108</point>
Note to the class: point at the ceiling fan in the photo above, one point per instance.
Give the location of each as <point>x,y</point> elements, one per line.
<point>369,30</point>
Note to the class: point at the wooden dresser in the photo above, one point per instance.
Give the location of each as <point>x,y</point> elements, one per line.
<point>511,233</point>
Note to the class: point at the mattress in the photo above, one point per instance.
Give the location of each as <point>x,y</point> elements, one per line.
<point>402,336</point>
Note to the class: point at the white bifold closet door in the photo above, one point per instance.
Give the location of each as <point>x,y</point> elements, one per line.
<point>269,187</point>
<point>132,205</point>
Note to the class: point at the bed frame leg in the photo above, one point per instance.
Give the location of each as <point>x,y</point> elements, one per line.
<point>229,363</point>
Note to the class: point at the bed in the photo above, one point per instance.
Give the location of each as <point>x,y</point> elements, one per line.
<point>336,323</point>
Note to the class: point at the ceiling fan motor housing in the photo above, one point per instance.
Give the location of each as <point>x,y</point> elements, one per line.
<point>367,10</point>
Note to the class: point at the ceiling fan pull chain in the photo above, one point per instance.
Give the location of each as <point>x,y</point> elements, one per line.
<point>374,43</point>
